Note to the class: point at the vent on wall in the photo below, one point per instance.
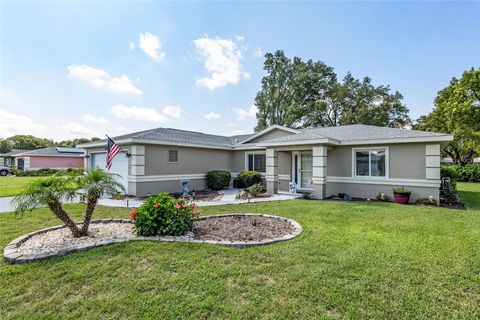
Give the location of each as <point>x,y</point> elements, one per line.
<point>172,155</point>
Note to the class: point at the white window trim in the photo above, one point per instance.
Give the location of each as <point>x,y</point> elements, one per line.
<point>299,153</point>
<point>387,163</point>
<point>255,152</point>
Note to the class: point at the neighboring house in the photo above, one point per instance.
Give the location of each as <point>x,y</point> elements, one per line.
<point>51,158</point>
<point>360,160</point>
<point>7,159</point>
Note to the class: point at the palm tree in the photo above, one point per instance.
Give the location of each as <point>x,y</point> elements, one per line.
<point>95,183</point>
<point>49,191</point>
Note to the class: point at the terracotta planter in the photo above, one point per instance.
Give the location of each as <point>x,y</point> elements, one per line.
<point>401,198</point>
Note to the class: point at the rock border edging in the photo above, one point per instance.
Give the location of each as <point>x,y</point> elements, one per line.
<point>11,254</point>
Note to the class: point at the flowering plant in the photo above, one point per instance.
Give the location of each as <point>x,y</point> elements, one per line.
<point>163,215</point>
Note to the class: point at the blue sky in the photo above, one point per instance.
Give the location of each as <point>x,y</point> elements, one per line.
<point>77,69</point>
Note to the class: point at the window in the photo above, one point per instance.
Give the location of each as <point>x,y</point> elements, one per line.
<point>256,162</point>
<point>370,163</point>
<point>172,155</point>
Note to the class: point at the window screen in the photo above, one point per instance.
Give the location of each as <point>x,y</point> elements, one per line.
<point>370,163</point>
<point>256,162</point>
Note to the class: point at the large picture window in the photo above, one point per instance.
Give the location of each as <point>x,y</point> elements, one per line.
<point>370,162</point>
<point>256,162</point>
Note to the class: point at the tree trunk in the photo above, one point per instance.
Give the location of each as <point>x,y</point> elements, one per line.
<point>91,203</point>
<point>57,209</point>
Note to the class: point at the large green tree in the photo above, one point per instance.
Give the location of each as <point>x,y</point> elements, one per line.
<point>28,142</point>
<point>303,94</point>
<point>457,111</point>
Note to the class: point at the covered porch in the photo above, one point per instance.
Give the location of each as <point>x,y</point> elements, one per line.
<point>306,166</point>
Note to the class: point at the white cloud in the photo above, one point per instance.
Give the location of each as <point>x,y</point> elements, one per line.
<point>258,52</point>
<point>14,123</point>
<point>138,113</point>
<point>172,111</point>
<point>243,114</point>
<point>101,79</point>
<point>92,119</point>
<point>152,46</point>
<point>231,124</point>
<point>211,115</point>
<point>246,76</point>
<point>77,130</point>
<point>222,61</point>
<point>131,45</point>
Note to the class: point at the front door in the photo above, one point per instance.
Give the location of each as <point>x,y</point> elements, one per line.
<point>302,169</point>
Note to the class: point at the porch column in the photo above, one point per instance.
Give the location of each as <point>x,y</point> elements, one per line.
<point>137,161</point>
<point>272,171</point>
<point>319,172</point>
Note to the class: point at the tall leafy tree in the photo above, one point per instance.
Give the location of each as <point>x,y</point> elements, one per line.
<point>305,94</point>
<point>457,111</point>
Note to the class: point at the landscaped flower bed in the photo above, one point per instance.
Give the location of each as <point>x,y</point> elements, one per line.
<point>236,230</point>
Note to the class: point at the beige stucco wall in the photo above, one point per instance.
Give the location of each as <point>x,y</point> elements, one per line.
<point>372,190</point>
<point>270,135</point>
<point>190,160</point>
<point>406,161</point>
<point>141,189</point>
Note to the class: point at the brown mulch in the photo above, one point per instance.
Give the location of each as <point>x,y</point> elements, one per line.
<point>241,228</point>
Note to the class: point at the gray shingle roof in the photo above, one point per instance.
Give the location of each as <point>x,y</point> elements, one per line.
<point>52,151</point>
<point>184,136</point>
<point>354,132</point>
<point>339,133</point>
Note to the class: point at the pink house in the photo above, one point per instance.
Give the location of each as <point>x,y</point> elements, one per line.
<point>50,158</point>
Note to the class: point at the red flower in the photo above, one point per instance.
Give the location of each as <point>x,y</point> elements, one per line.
<point>195,211</point>
<point>133,215</point>
<point>177,206</point>
<point>155,205</point>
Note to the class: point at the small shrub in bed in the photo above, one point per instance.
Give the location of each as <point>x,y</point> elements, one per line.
<point>218,179</point>
<point>162,215</point>
<point>255,189</point>
<point>249,178</point>
<point>426,201</point>
<point>383,197</point>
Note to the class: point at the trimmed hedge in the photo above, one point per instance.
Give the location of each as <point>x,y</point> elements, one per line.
<point>46,172</point>
<point>249,178</point>
<point>465,173</point>
<point>218,179</point>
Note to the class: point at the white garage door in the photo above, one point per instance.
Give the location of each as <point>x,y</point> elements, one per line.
<point>119,166</point>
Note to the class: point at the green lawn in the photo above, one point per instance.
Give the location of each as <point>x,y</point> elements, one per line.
<point>11,185</point>
<point>470,194</point>
<point>353,260</point>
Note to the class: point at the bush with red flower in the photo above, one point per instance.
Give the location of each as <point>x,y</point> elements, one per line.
<point>162,215</point>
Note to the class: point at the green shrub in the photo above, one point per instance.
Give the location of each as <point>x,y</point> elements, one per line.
<point>218,179</point>
<point>465,173</point>
<point>383,197</point>
<point>249,178</point>
<point>426,201</point>
<point>47,172</point>
<point>402,190</point>
<point>162,215</point>
<point>255,189</point>
<point>306,195</point>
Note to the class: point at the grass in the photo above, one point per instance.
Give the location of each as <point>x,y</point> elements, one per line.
<point>353,260</point>
<point>470,194</point>
<point>11,185</point>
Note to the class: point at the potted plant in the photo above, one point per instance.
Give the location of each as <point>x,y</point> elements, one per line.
<point>401,195</point>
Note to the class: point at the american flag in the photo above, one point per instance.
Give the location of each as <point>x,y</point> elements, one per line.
<point>112,150</point>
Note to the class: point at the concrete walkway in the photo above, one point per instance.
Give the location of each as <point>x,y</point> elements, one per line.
<point>228,198</point>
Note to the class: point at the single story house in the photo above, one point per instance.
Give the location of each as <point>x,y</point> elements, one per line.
<point>360,160</point>
<point>7,159</point>
<point>49,158</point>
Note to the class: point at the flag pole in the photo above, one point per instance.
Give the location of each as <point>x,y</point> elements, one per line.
<point>124,151</point>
